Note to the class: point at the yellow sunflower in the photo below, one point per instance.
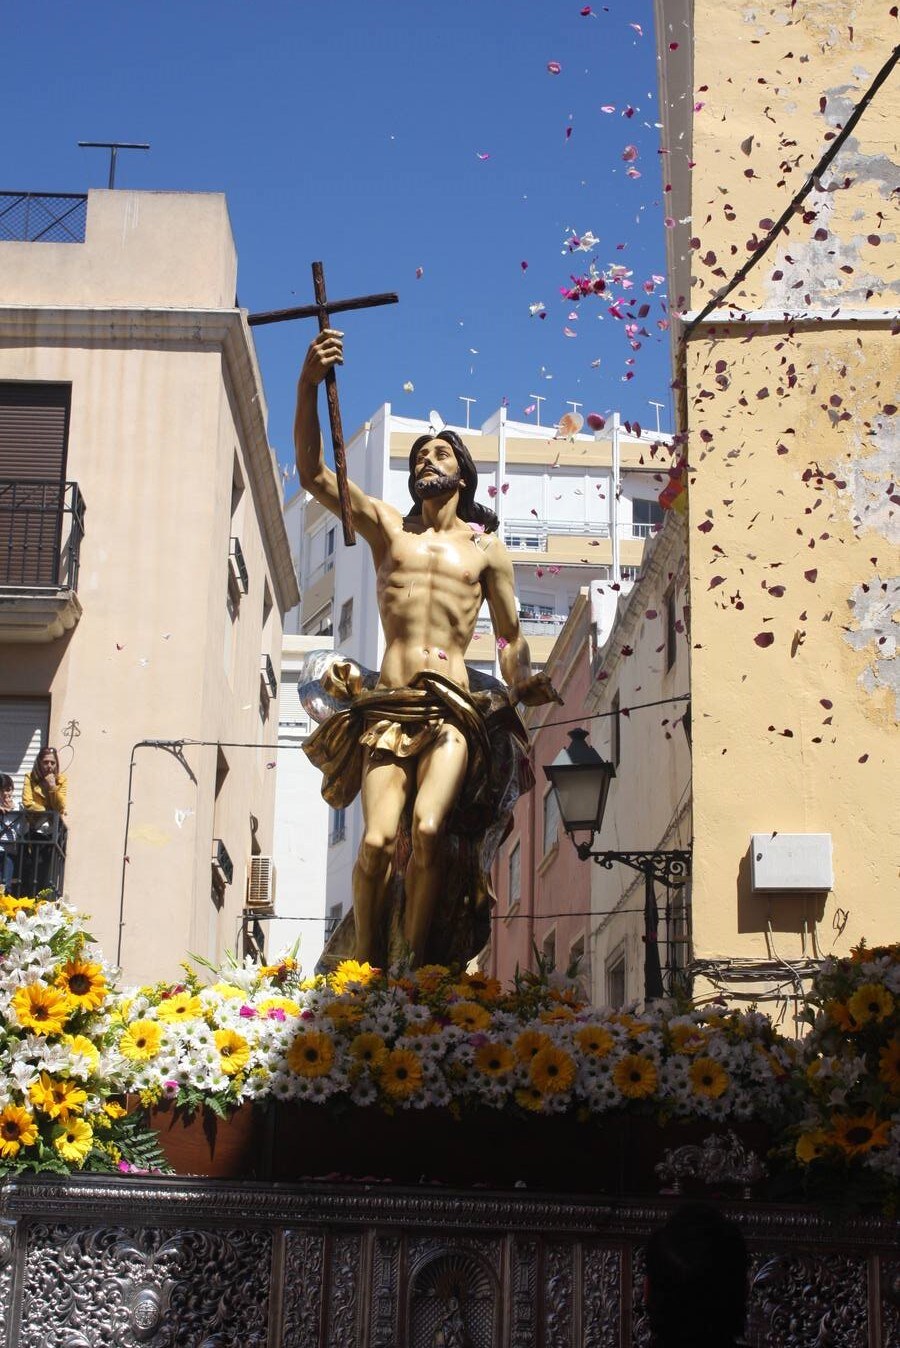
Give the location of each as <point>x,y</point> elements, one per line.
<point>870,1002</point>
<point>10,905</point>
<point>44,1010</point>
<point>311,1054</point>
<point>479,985</point>
<point>17,1129</point>
<point>350,973</point>
<point>855,1135</point>
<point>594,1040</point>
<point>810,1146</point>
<point>429,976</point>
<point>530,1042</point>
<point>84,982</point>
<point>630,1024</point>
<point>230,991</point>
<point>234,1051</point>
<point>114,1110</point>
<point>141,1041</point>
<point>470,1016</point>
<point>401,1073</point>
<point>80,1044</point>
<point>369,1050</point>
<point>285,1004</point>
<point>635,1076</point>
<point>280,970</point>
<point>530,1097</point>
<point>56,1098</point>
<point>839,1013</point>
<point>889,1066</point>
<point>342,1014</point>
<point>179,1007</point>
<point>552,1070</point>
<point>74,1141</point>
<point>688,1039</point>
<point>709,1078</point>
<point>495,1060</point>
<point>556,1014</point>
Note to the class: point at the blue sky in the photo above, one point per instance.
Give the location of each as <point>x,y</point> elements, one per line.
<point>382,138</point>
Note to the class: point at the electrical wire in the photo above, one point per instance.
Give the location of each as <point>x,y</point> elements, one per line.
<point>622,711</point>
<point>778,228</point>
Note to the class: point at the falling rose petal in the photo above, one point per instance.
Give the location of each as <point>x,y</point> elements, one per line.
<point>628,111</point>
<point>420,272</point>
<point>716,580</point>
<point>657,280</point>
<point>632,172</point>
<point>595,421</point>
<point>505,488</point>
<point>482,157</point>
<point>502,643</point>
<point>568,133</point>
<point>608,107</point>
<point>764,638</point>
<point>705,527</point>
<point>673,46</point>
<point>637,28</point>
<point>492,491</point>
<point>554,67</point>
<point>524,266</point>
<point>567,332</point>
<point>534,512</point>
<point>863,759</point>
<point>539,572</point>
<point>630,153</point>
<point>651,613</point>
<point>587,13</point>
<point>811,575</point>
<point>409,387</point>
<point>441,655</point>
<point>826,702</point>
<point>669,222</point>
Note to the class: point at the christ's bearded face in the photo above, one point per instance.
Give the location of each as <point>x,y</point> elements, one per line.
<point>436,470</point>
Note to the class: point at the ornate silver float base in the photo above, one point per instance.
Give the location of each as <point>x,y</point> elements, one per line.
<point>122,1262</point>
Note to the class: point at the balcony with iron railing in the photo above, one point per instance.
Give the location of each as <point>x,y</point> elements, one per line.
<point>41,528</point>
<point>43,217</point>
<point>32,852</point>
<point>534,535</point>
<point>222,865</point>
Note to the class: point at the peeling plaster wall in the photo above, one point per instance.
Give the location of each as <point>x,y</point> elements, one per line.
<point>794,504</point>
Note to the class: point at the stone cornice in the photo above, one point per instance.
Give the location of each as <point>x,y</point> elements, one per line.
<point>225,330</point>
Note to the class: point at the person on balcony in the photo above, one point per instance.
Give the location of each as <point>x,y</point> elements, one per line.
<point>45,786</point>
<point>44,800</point>
<point>10,831</point>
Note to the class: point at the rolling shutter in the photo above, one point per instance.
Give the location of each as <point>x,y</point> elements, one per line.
<point>34,424</point>
<point>24,727</point>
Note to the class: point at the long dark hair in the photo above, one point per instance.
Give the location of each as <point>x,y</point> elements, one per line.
<point>468,509</point>
<point>36,775</point>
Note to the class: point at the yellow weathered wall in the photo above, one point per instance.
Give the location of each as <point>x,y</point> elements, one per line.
<point>793,447</point>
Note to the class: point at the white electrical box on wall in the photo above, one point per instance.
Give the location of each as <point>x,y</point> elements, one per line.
<point>791,862</point>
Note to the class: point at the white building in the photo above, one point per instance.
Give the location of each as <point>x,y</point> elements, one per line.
<point>571,510</point>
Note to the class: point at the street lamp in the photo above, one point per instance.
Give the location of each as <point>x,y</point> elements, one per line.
<point>581,780</point>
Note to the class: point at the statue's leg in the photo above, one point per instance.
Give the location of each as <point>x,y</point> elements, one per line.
<point>386,787</point>
<point>441,772</point>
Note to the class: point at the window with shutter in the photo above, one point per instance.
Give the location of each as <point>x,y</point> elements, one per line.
<point>34,428</point>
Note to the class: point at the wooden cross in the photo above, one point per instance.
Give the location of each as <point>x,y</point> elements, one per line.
<point>323,309</point>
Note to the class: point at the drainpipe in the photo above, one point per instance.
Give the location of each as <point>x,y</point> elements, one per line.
<point>500,501</point>
<point>614,498</point>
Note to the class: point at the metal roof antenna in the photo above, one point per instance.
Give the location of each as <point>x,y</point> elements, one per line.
<point>114,146</point>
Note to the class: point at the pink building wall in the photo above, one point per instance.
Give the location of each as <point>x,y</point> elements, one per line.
<point>554,886</point>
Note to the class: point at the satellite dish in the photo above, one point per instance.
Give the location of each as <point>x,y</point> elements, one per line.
<point>568,426</point>
<point>436,422</point>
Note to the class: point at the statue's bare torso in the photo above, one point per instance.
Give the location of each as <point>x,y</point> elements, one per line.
<point>430,589</point>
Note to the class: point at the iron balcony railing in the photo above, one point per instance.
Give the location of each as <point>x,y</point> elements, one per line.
<point>32,851</point>
<point>267,674</point>
<point>533,536</point>
<point>41,528</point>
<point>223,866</point>
<point>238,567</point>
<point>43,217</point>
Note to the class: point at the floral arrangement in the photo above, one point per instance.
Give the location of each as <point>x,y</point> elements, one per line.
<point>849,1095</point>
<point>439,1038</point>
<point>58,1064</point>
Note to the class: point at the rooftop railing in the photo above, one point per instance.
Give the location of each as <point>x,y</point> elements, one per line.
<point>32,851</point>
<point>41,528</point>
<point>43,217</point>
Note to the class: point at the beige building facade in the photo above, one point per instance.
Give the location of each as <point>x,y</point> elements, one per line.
<point>787,392</point>
<point>153,665</point>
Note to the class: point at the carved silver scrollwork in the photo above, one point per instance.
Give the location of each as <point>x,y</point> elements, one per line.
<point>304,1288</point>
<point>115,1288</point>
<point>805,1300</point>
<point>720,1159</point>
<point>524,1293</point>
<point>385,1286</point>
<point>601,1296</point>
<point>7,1246</point>
<point>343,1291</point>
<point>558,1291</point>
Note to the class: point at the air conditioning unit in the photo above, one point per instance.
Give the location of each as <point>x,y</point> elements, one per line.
<point>261,885</point>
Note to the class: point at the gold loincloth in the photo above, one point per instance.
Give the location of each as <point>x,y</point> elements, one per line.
<point>402,723</point>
